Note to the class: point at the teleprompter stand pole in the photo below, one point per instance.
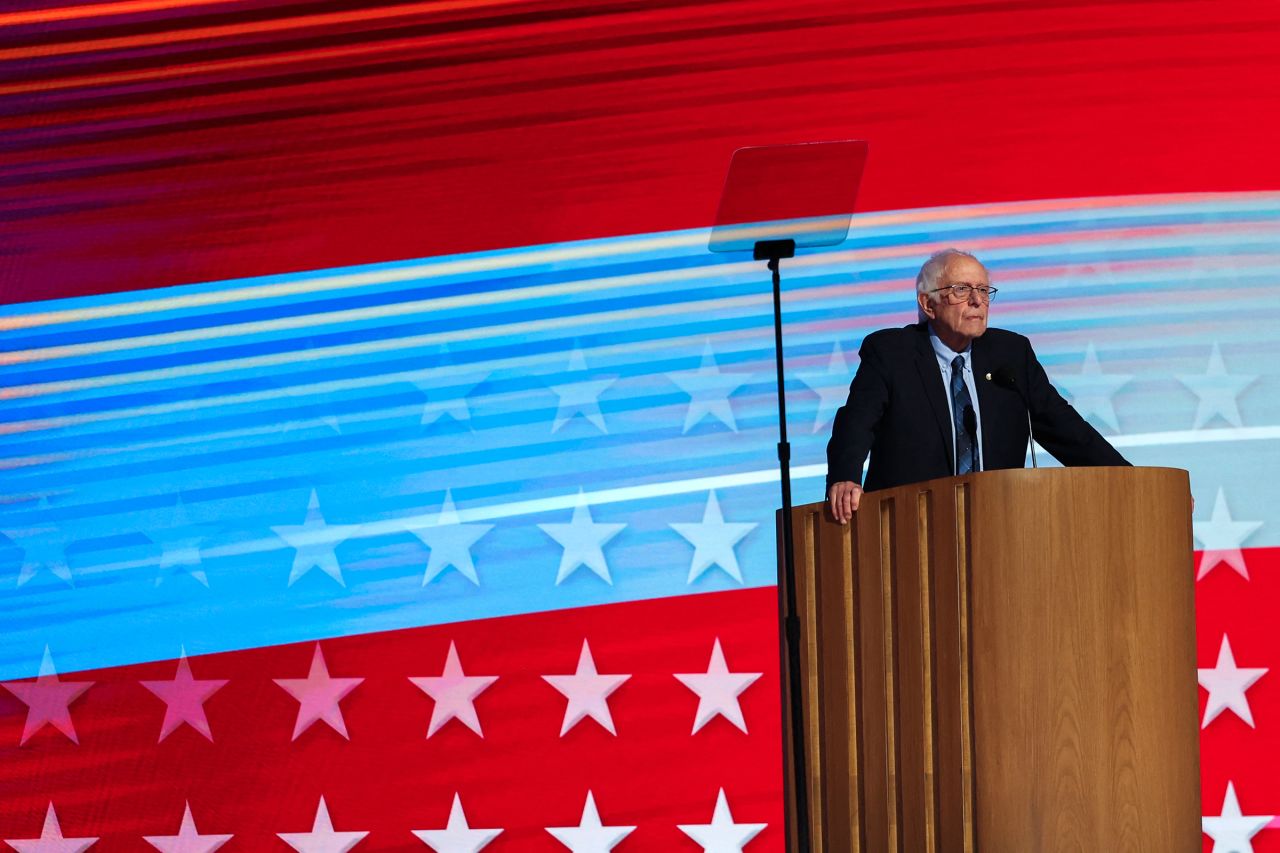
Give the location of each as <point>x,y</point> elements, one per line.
<point>774,251</point>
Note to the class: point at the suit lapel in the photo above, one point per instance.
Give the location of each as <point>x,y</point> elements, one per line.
<point>986,406</point>
<point>931,379</point>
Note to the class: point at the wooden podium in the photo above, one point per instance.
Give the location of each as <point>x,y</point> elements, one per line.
<point>1002,662</point>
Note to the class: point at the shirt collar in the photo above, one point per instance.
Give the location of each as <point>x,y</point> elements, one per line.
<point>945,353</point>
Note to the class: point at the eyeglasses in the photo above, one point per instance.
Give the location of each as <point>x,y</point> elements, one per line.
<point>957,293</point>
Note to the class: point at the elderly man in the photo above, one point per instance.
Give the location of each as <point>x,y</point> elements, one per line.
<point>924,405</point>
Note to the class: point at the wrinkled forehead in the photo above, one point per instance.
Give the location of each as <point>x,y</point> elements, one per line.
<point>966,270</point>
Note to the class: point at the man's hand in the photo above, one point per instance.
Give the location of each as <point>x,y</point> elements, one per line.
<point>844,498</point>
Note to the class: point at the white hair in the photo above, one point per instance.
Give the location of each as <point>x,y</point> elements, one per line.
<point>927,278</point>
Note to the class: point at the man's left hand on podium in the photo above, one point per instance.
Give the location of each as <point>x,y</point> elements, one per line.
<point>843,499</point>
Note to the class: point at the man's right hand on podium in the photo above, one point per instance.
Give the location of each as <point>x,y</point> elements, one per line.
<point>843,498</point>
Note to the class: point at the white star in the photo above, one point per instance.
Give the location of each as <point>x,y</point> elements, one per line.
<point>322,838</point>
<point>1217,391</point>
<point>709,391</point>
<point>1231,830</point>
<point>583,541</point>
<point>179,545</point>
<point>718,690</point>
<point>187,840</point>
<point>454,692</point>
<point>1222,538</point>
<point>184,699</point>
<point>1227,684</point>
<point>581,395</point>
<point>1091,390</point>
<point>450,542</point>
<point>457,836</point>
<point>722,835</point>
<point>831,386</point>
<point>51,839</point>
<point>713,540</point>
<point>318,695</point>
<point>590,836</point>
<point>43,547</point>
<point>48,700</point>
<point>447,390</point>
<point>587,691</point>
<point>315,542</point>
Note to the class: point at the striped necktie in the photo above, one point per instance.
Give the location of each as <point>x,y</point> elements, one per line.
<point>960,401</point>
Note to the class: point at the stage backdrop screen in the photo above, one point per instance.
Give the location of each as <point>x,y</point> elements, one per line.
<point>386,463</point>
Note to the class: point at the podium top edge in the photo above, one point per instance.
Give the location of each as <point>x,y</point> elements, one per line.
<point>1028,476</point>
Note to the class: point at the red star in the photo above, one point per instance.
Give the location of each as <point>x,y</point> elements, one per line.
<point>48,700</point>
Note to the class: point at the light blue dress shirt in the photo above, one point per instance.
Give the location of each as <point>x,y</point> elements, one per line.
<point>945,354</point>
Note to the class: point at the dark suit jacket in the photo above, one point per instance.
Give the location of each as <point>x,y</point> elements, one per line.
<point>897,412</point>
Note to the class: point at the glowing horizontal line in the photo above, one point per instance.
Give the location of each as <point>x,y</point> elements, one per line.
<point>440,373</point>
<point>371,347</point>
<point>342,532</point>
<point>1195,436</point>
<point>806,472</point>
<point>16,462</point>
<point>383,379</point>
<point>644,492</point>
<point>707,273</point>
<point>515,258</point>
<point>377,312</point>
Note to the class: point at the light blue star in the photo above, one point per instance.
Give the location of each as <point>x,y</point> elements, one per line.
<point>44,547</point>
<point>1222,538</point>
<point>1217,391</point>
<point>1091,390</point>
<point>831,386</point>
<point>581,395</point>
<point>583,541</point>
<point>713,541</point>
<point>450,542</point>
<point>447,388</point>
<point>315,541</point>
<point>709,390</point>
<point>179,542</point>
